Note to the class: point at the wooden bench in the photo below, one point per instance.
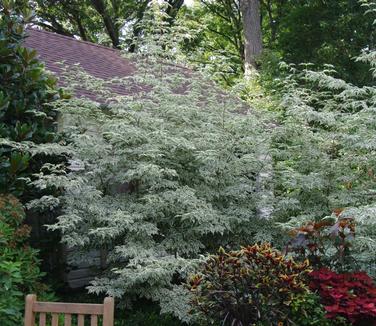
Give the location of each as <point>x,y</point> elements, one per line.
<point>44,309</point>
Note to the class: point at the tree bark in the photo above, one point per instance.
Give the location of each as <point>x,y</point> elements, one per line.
<point>275,10</point>
<point>110,25</point>
<point>173,9</point>
<point>80,27</point>
<point>252,34</point>
<point>136,27</point>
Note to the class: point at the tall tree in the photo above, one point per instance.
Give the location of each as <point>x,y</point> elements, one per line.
<point>228,22</point>
<point>326,32</point>
<point>252,33</point>
<point>231,34</point>
<point>272,11</point>
<point>217,45</point>
<point>68,18</point>
<point>110,22</point>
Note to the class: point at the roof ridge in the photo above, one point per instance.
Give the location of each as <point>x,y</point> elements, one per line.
<point>40,30</point>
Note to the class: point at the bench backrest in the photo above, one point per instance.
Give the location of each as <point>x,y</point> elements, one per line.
<point>44,309</point>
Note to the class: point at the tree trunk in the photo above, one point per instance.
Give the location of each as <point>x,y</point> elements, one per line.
<point>173,9</point>
<point>137,29</point>
<point>80,27</point>
<point>252,34</point>
<point>111,28</point>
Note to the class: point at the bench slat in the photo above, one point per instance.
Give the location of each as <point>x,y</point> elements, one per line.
<point>68,308</point>
<point>68,320</point>
<point>94,320</point>
<point>44,309</point>
<point>42,319</point>
<point>81,320</point>
<point>55,320</point>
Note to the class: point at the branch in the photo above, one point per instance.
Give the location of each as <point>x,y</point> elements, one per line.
<point>112,32</point>
<point>173,9</point>
<point>55,28</point>
<point>225,36</point>
<point>215,11</point>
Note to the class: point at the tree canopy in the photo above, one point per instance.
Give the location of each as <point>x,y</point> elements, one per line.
<point>319,32</point>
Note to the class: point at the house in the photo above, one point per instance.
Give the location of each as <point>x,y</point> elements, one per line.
<point>57,51</point>
<point>98,61</point>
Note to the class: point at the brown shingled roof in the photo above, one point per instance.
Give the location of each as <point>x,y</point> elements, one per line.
<point>98,61</point>
<point>101,62</point>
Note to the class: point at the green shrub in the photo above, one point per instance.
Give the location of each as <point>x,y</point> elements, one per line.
<point>145,313</point>
<point>324,154</point>
<point>163,177</point>
<point>26,119</point>
<point>306,310</point>
<point>19,271</point>
<point>254,285</point>
<point>28,138</point>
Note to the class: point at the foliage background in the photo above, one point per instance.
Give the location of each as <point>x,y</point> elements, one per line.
<point>165,176</point>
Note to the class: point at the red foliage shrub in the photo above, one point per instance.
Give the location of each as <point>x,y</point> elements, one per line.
<point>350,295</point>
<point>325,243</point>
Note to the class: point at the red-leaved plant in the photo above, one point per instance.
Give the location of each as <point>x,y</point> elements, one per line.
<point>350,295</point>
<point>325,243</point>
